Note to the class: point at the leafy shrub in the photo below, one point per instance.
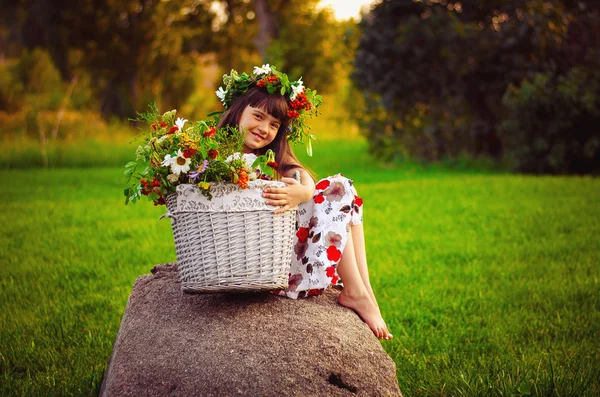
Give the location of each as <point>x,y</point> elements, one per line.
<point>552,124</point>
<point>11,90</point>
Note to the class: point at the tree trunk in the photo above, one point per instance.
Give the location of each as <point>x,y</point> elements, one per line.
<point>267,29</point>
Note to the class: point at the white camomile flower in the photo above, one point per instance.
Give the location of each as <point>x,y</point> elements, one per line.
<point>221,93</point>
<point>180,122</point>
<point>265,69</point>
<point>297,89</point>
<point>180,164</point>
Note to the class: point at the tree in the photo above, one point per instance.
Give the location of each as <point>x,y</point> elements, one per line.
<point>434,74</point>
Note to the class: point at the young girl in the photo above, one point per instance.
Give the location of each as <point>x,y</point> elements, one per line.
<point>330,244</point>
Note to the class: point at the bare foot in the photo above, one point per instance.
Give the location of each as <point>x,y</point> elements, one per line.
<point>368,311</point>
<point>372,295</point>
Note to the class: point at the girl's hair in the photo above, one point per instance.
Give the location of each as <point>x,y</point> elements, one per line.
<point>277,106</point>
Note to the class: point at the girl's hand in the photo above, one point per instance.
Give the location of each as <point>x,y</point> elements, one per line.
<point>289,196</point>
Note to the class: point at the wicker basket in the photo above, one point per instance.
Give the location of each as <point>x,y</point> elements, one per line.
<point>232,243</point>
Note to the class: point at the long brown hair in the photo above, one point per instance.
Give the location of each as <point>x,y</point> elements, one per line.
<point>277,106</point>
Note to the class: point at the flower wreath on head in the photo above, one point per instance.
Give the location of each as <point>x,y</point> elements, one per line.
<point>303,102</point>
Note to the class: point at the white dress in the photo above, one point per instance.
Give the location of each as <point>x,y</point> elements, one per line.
<point>322,232</point>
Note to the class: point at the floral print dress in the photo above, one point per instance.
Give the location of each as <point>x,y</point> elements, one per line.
<point>322,232</point>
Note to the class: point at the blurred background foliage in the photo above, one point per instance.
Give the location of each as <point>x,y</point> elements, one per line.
<point>516,83</point>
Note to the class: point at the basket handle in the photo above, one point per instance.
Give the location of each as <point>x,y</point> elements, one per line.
<point>167,215</point>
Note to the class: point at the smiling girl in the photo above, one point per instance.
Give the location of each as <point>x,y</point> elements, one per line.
<point>329,245</point>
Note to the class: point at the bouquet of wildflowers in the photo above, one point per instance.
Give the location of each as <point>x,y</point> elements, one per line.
<point>175,151</point>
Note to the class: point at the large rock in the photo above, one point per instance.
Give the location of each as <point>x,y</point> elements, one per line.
<point>259,344</point>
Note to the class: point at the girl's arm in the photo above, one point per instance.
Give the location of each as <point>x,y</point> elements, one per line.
<point>293,193</point>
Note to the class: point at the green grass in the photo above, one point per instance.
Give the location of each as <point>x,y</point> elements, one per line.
<point>489,282</point>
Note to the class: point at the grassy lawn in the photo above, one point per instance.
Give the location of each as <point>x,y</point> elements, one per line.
<point>489,282</point>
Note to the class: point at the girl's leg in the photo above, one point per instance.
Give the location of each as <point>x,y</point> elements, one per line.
<point>358,239</point>
<point>355,295</point>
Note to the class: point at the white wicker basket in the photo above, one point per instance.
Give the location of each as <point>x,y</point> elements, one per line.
<point>232,243</point>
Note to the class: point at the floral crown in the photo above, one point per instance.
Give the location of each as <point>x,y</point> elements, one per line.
<point>303,101</point>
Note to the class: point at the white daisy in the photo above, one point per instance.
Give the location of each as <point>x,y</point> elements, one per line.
<point>297,89</point>
<point>180,164</point>
<point>180,122</point>
<point>265,69</point>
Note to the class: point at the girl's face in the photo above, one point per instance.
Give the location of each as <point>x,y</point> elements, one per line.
<point>259,127</point>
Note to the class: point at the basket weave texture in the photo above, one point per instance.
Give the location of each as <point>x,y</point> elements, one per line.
<point>232,243</point>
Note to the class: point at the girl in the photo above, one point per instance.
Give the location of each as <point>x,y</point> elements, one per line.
<point>330,244</point>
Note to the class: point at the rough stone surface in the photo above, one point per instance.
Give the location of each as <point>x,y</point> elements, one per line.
<point>176,344</point>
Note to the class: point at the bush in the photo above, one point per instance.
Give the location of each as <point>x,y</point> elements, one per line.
<point>11,90</point>
<point>552,123</point>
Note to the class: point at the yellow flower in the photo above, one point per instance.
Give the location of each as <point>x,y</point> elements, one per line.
<point>204,185</point>
<point>187,142</point>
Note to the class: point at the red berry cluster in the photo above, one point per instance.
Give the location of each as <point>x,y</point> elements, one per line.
<point>243,178</point>
<point>273,164</point>
<point>148,187</point>
<point>267,80</point>
<point>301,102</point>
<point>293,114</point>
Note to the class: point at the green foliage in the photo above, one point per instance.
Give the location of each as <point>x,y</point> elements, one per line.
<point>134,49</point>
<point>30,80</point>
<point>11,89</point>
<point>434,75</point>
<point>310,44</point>
<point>552,124</point>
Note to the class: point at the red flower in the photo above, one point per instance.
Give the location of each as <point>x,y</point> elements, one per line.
<point>212,153</point>
<point>172,129</point>
<point>324,184</point>
<point>334,254</point>
<point>319,199</point>
<point>273,164</point>
<point>302,234</point>
<point>154,125</point>
<point>163,124</point>
<point>187,153</point>
<point>210,132</point>
<point>330,271</point>
<point>293,114</point>
<point>358,201</point>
